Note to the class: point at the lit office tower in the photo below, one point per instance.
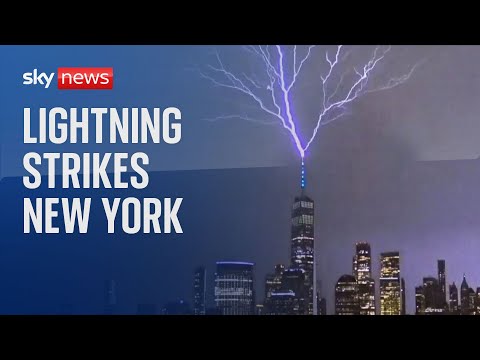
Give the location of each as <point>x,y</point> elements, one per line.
<point>302,251</point>
<point>273,283</point>
<point>419,301</point>
<point>404,301</point>
<point>464,297</point>
<point>110,298</point>
<point>234,288</point>
<point>453,299</point>
<point>442,280</point>
<point>390,288</point>
<point>199,285</point>
<point>362,270</point>
<point>346,296</point>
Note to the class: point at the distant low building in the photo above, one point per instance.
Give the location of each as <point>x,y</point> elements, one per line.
<point>322,306</point>
<point>179,307</point>
<point>199,290</point>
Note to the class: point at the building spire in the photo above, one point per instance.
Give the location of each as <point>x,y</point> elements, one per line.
<point>303,182</point>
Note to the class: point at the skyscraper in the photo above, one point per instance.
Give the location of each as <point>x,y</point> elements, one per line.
<point>404,301</point>
<point>273,283</point>
<point>472,301</point>
<point>419,301</point>
<point>464,297</point>
<point>390,288</point>
<point>302,236</point>
<point>284,303</point>
<point>322,306</point>
<point>110,298</point>
<point>432,291</point>
<point>234,288</point>
<point>199,286</point>
<point>293,284</point>
<point>362,270</point>
<point>346,296</point>
<point>442,280</point>
<point>453,303</point>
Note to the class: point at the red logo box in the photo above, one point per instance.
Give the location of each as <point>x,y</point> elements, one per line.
<point>77,78</point>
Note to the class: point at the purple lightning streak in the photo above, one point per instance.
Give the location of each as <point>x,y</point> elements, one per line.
<point>273,95</point>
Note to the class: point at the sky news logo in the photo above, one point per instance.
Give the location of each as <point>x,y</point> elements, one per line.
<point>73,78</point>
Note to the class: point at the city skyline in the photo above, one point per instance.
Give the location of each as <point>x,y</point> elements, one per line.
<point>430,299</point>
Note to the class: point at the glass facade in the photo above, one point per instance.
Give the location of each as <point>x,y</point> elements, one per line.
<point>302,243</point>
<point>234,288</point>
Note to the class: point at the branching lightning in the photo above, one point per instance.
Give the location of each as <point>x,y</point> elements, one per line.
<point>274,95</point>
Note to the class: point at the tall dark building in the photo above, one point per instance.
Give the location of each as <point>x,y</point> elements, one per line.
<point>322,306</point>
<point>199,290</point>
<point>472,301</point>
<point>346,296</point>
<point>284,303</point>
<point>362,270</point>
<point>419,301</point>
<point>234,288</point>
<point>293,282</point>
<point>434,303</point>
<point>477,302</point>
<point>273,283</point>
<point>453,303</point>
<point>302,242</point>
<point>464,297</point>
<point>110,298</point>
<point>442,280</point>
<point>404,301</point>
<point>390,287</point>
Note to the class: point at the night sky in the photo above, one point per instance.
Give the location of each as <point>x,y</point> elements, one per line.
<point>399,172</point>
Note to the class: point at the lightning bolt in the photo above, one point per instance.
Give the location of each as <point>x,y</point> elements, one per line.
<point>274,95</point>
